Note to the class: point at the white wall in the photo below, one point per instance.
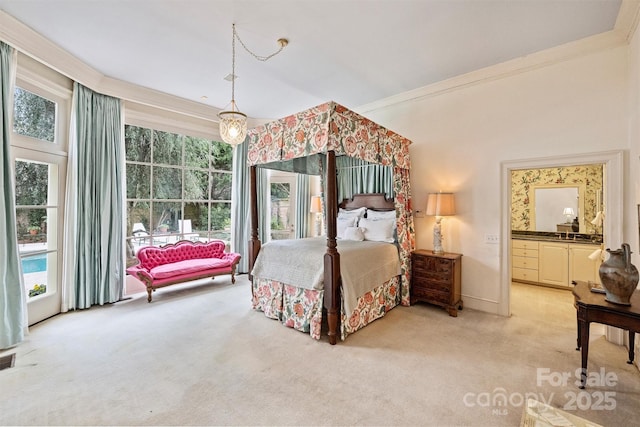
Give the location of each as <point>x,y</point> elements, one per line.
<point>461,135</point>
<point>631,226</point>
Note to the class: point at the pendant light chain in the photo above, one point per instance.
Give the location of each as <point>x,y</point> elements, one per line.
<point>233,67</point>
<point>281,42</point>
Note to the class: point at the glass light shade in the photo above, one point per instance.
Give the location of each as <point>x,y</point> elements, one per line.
<point>316,204</point>
<point>233,126</point>
<point>440,204</point>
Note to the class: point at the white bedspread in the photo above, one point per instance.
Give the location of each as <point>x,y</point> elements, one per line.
<point>300,262</point>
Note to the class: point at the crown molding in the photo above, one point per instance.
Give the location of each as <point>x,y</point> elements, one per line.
<point>31,43</point>
<point>628,17</point>
<point>545,58</point>
<point>145,96</point>
<point>34,45</point>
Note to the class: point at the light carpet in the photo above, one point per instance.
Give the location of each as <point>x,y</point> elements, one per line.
<point>199,355</point>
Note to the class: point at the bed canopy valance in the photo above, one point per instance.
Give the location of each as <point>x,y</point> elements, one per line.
<point>308,142</point>
<point>321,129</point>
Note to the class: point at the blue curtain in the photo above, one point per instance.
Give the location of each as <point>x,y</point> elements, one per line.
<point>12,295</point>
<point>358,176</point>
<point>303,197</point>
<point>240,213</point>
<point>97,259</point>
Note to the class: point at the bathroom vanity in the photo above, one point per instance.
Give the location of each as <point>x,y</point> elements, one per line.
<point>555,259</point>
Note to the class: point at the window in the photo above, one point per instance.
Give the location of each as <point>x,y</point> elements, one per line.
<point>34,116</point>
<point>178,187</point>
<point>282,205</point>
<point>42,99</point>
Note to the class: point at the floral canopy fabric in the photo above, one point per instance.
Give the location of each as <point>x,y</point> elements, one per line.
<point>285,143</point>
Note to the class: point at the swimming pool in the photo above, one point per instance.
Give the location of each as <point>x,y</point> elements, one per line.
<point>34,264</point>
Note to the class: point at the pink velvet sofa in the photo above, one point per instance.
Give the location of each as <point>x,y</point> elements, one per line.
<point>181,262</point>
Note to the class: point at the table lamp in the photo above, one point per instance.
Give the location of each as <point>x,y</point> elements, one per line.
<point>568,213</point>
<point>316,209</point>
<point>439,205</point>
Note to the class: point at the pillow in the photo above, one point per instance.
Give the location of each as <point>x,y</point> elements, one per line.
<point>343,222</point>
<point>378,230</point>
<point>352,212</point>
<point>354,233</point>
<point>381,214</point>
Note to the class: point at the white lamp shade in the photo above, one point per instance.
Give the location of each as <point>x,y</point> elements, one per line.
<point>597,221</point>
<point>568,212</point>
<point>316,204</point>
<point>441,204</point>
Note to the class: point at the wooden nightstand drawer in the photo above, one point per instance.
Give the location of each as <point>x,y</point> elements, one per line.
<point>436,279</point>
<point>434,265</point>
<point>431,294</point>
<point>427,283</point>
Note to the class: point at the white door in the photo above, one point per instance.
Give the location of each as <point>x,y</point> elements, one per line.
<point>39,188</point>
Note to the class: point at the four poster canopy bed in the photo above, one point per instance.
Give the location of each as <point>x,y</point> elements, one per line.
<point>294,280</point>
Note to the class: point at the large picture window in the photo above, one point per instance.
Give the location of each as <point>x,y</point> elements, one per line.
<point>178,188</point>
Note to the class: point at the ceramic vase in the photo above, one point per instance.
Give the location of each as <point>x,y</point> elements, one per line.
<point>575,225</point>
<point>618,276</point>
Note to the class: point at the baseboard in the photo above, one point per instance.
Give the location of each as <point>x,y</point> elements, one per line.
<point>480,304</point>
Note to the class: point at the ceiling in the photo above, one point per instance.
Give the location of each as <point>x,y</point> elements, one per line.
<point>350,51</point>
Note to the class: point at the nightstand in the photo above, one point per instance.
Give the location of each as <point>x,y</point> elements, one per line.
<point>435,278</point>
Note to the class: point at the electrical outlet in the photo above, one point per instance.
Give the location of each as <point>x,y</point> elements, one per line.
<point>491,239</point>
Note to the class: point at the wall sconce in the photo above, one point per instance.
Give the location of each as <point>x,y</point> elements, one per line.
<point>569,214</point>
<point>439,205</point>
<point>598,221</point>
<point>316,209</point>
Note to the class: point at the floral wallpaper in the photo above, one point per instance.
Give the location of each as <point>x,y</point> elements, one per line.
<point>521,181</point>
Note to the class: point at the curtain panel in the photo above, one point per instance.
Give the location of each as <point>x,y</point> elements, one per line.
<point>303,205</point>
<point>240,215</point>
<point>357,176</point>
<point>94,271</point>
<point>13,322</point>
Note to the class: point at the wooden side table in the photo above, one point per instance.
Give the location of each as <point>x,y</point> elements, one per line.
<point>592,307</point>
<point>436,279</point>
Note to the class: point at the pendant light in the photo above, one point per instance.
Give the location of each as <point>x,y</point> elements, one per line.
<point>233,122</point>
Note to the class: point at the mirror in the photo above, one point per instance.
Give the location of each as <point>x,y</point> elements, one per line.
<point>587,180</point>
<point>550,204</point>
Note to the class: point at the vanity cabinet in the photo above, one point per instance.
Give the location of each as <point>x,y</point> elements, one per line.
<point>554,263</point>
<point>581,268</point>
<point>524,260</point>
<point>562,263</point>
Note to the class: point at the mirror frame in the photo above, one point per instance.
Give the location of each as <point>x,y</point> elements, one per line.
<point>532,206</point>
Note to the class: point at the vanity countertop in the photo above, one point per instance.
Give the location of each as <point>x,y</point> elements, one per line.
<point>544,236</point>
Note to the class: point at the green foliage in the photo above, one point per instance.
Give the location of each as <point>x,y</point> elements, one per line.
<point>276,224</point>
<point>205,178</point>
<point>37,290</point>
<point>280,191</point>
<point>34,115</point>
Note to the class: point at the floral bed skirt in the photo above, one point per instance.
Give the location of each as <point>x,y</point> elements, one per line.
<point>301,309</point>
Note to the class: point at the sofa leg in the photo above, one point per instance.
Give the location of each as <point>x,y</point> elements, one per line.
<point>149,290</point>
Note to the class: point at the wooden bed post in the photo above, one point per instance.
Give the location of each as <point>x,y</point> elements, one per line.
<point>254,242</point>
<point>332,257</point>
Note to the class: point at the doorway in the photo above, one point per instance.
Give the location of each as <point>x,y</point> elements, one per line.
<point>612,199</point>
<point>39,190</point>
